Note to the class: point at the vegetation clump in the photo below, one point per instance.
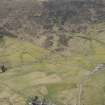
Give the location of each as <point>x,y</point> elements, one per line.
<point>3,68</point>
<point>37,101</point>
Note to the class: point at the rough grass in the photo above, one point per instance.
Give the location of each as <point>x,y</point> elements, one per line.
<point>35,71</point>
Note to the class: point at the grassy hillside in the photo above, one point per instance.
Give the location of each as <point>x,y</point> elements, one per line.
<point>33,70</point>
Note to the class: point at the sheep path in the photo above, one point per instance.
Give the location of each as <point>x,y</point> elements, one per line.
<point>97,69</point>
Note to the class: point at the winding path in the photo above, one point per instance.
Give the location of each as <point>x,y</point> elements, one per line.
<point>98,68</point>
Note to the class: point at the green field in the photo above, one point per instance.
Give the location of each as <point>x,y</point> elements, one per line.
<point>33,70</point>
